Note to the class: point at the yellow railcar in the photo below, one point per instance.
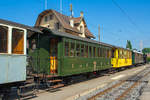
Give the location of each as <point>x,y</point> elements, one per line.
<point>121,58</point>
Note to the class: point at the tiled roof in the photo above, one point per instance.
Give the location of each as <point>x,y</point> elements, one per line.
<point>77,20</point>
<point>65,21</point>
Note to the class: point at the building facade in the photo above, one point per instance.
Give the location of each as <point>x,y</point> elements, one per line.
<point>69,24</point>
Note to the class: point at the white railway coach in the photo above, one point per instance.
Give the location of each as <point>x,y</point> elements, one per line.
<point>13,52</point>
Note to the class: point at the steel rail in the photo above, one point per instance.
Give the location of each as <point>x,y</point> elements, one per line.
<point>116,85</point>
<point>105,91</point>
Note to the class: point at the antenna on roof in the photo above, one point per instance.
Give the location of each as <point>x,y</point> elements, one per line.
<point>71,10</point>
<point>99,33</point>
<point>45,4</point>
<point>61,6</point>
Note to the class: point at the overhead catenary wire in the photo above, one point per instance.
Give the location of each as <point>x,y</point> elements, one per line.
<point>129,18</point>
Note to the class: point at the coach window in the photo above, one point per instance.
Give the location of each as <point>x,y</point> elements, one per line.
<point>17,41</point>
<point>94,51</point>
<point>120,53</point>
<point>90,51</point>
<point>66,48</point>
<point>110,53</point>
<point>3,39</point>
<point>101,52</point>
<point>86,51</point>
<point>98,52</point>
<point>78,49</point>
<point>104,52</point>
<point>125,54</point>
<point>72,51</point>
<point>107,53</point>
<point>113,53</point>
<point>82,50</point>
<point>128,55</point>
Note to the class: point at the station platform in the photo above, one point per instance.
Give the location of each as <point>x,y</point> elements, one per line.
<point>73,91</point>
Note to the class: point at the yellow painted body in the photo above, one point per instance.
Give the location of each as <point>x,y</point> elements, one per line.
<point>121,58</point>
<point>53,64</point>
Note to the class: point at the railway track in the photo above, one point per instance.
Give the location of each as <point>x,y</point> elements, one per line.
<point>127,89</point>
<point>114,85</point>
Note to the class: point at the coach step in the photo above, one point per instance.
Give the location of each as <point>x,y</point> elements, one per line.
<point>57,86</point>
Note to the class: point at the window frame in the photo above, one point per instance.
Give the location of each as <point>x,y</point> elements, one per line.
<point>86,50</point>
<point>74,53</point>
<point>12,40</point>
<point>57,26</point>
<point>66,54</point>
<point>82,53</point>
<point>51,17</point>
<point>94,52</point>
<point>7,39</point>
<point>10,27</point>
<point>79,44</point>
<point>46,19</point>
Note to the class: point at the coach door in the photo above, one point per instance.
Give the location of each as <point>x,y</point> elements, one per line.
<point>53,55</point>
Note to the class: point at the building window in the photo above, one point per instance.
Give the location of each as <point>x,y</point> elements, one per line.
<point>57,26</point>
<point>3,39</point>
<point>50,17</point>
<point>46,19</point>
<point>81,29</point>
<point>17,41</point>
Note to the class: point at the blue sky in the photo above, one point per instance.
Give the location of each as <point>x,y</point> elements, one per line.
<point>117,29</point>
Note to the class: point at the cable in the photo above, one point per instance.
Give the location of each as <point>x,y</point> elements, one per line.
<point>129,18</point>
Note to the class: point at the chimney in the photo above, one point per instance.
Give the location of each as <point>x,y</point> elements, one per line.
<point>71,22</point>
<point>81,14</point>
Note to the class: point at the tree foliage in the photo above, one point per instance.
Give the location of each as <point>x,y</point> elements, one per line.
<point>129,45</point>
<point>146,50</point>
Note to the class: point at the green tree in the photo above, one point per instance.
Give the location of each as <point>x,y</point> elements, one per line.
<point>129,45</point>
<point>146,50</point>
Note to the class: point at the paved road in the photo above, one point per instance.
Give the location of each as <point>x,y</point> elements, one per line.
<point>72,91</point>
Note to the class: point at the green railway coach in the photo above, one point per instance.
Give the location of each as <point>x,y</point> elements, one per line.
<point>63,54</point>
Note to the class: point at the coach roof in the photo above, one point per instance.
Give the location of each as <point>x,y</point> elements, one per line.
<point>6,22</point>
